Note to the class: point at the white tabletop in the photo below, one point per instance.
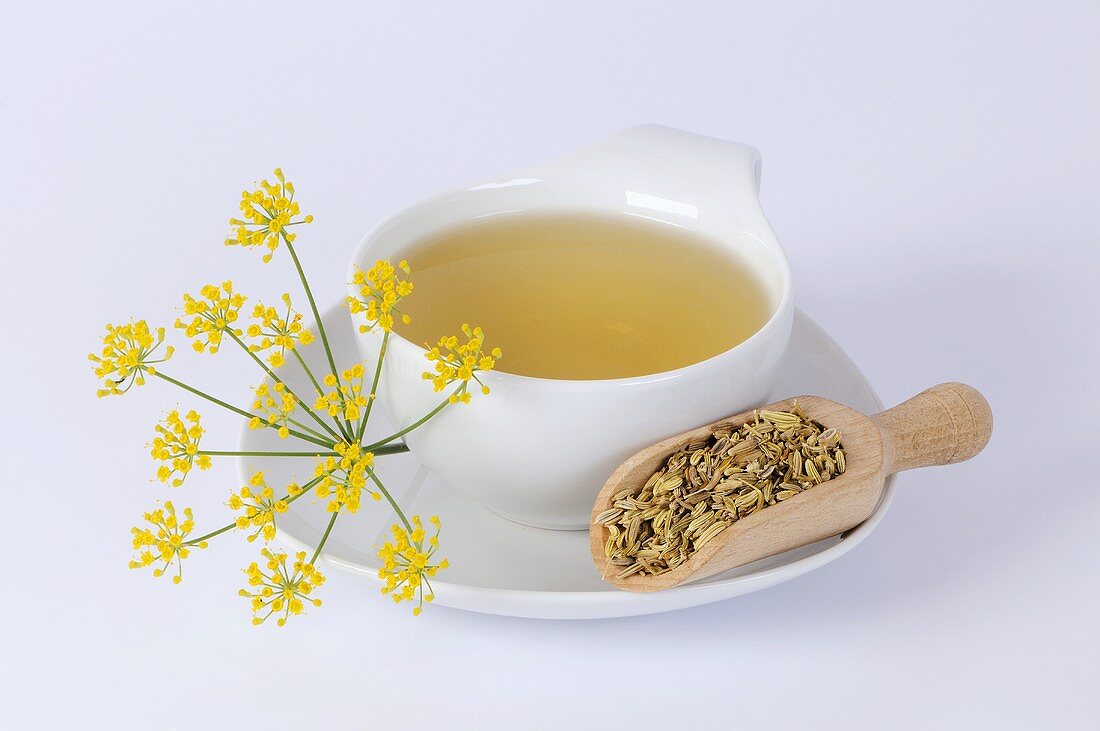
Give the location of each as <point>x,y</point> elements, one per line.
<point>931,170</point>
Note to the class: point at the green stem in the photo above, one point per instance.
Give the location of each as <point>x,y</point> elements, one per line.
<point>211,534</point>
<point>324,538</point>
<point>314,432</point>
<point>389,499</point>
<point>312,378</point>
<point>212,453</point>
<point>235,410</point>
<point>316,314</point>
<point>380,452</point>
<point>373,386</point>
<point>391,449</point>
<point>417,424</point>
<point>288,498</point>
<point>289,390</point>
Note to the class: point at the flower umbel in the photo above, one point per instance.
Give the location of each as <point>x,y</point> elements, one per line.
<point>280,590</point>
<point>406,564</point>
<point>259,505</point>
<point>211,314</point>
<point>455,361</point>
<point>277,333</point>
<point>344,478</point>
<point>345,473</point>
<point>128,354</point>
<point>164,542</point>
<point>266,214</point>
<point>176,447</point>
<point>346,398</point>
<point>276,404</point>
<point>380,289</point>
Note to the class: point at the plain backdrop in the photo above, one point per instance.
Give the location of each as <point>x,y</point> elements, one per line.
<point>931,168</point>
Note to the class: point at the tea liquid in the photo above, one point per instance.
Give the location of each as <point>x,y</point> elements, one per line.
<point>583,297</point>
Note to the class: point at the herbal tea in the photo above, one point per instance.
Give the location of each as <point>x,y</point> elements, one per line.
<point>578,297</point>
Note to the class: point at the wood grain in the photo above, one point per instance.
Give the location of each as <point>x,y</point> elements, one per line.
<point>947,423</point>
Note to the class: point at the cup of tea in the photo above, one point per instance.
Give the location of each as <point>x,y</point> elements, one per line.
<point>635,288</point>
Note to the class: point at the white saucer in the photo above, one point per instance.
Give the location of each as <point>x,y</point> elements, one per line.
<point>501,567</point>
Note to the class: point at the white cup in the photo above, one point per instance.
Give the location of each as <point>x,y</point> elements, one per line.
<point>538,450</point>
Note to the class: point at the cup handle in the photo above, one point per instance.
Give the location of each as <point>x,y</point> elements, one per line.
<point>665,173</point>
<point>664,153</point>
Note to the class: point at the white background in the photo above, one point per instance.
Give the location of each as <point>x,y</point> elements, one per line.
<point>931,169</point>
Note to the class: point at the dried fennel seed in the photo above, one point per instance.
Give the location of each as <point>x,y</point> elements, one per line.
<point>707,486</point>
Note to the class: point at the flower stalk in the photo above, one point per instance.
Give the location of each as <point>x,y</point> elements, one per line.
<point>345,469</point>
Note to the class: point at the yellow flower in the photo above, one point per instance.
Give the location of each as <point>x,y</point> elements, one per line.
<point>266,214</point>
<point>280,590</point>
<point>456,361</point>
<point>176,446</point>
<point>127,356</point>
<point>276,404</point>
<point>259,505</point>
<point>277,333</point>
<point>344,478</point>
<point>380,289</point>
<point>406,563</point>
<point>212,314</point>
<point>346,398</point>
<point>165,541</point>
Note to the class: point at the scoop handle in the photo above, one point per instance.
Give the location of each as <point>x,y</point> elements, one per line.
<point>945,424</point>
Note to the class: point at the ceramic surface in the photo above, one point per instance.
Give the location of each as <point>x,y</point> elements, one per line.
<point>538,450</point>
<point>501,567</point>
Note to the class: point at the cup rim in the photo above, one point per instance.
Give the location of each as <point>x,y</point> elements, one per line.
<point>771,325</point>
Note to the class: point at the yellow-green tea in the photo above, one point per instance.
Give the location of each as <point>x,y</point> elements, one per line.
<point>583,297</point>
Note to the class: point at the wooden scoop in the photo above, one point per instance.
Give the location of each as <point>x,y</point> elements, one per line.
<point>947,423</point>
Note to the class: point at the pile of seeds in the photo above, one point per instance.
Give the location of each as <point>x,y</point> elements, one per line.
<point>707,486</point>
